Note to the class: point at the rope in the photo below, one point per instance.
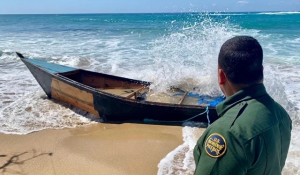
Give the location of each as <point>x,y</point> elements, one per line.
<point>207,116</point>
<point>161,121</point>
<point>206,111</point>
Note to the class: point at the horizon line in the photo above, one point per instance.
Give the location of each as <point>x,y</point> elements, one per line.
<point>86,13</point>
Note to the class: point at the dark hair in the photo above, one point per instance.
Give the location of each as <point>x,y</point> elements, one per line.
<point>241,59</point>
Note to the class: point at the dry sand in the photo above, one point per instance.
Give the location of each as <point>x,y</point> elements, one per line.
<point>96,149</point>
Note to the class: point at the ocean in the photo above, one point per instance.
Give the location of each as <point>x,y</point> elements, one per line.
<point>178,49</point>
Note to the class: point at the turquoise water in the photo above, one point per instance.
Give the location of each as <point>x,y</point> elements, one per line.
<point>278,32</point>
<point>169,49</point>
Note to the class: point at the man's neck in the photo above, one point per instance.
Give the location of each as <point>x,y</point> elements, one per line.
<point>234,88</point>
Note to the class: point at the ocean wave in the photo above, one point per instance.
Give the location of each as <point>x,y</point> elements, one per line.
<point>74,61</point>
<point>181,160</point>
<point>100,20</point>
<point>278,13</point>
<point>85,19</point>
<point>11,56</point>
<point>227,14</point>
<point>294,41</point>
<point>34,112</point>
<point>282,83</point>
<point>8,55</point>
<point>293,159</point>
<point>187,58</point>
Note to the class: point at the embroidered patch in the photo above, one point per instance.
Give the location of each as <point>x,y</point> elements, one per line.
<point>215,145</point>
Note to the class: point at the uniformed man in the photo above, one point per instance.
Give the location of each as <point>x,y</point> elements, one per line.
<point>253,133</point>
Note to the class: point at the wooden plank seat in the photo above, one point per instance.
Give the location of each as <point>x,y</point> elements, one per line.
<point>124,92</point>
<point>183,97</point>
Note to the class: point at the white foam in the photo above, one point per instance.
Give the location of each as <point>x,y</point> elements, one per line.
<point>227,14</point>
<point>294,41</point>
<point>85,19</point>
<point>188,57</point>
<point>293,160</point>
<point>181,160</point>
<point>34,112</point>
<point>282,83</point>
<point>279,13</point>
<point>7,55</point>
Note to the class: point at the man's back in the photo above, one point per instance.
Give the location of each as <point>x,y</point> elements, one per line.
<point>255,132</point>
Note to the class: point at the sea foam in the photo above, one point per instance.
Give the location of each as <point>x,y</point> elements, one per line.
<point>278,13</point>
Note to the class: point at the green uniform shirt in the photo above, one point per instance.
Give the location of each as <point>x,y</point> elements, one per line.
<point>252,136</point>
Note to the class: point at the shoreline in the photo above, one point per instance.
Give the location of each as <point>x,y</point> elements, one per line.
<point>93,149</point>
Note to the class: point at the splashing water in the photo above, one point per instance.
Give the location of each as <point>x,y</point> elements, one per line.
<point>187,58</point>
<point>282,83</point>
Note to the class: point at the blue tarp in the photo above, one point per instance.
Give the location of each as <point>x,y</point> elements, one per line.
<point>50,67</point>
<point>205,99</point>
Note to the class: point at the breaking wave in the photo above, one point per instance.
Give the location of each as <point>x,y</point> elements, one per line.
<point>278,13</point>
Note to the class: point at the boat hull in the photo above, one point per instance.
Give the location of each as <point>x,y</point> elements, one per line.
<point>109,107</point>
<point>114,109</point>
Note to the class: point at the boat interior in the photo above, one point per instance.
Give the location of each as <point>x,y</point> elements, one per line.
<point>134,89</point>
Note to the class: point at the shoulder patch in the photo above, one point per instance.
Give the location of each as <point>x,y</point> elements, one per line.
<point>215,145</point>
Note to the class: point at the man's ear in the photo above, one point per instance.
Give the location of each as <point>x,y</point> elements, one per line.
<point>222,76</point>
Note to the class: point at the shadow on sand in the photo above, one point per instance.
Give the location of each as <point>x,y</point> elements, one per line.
<point>19,160</point>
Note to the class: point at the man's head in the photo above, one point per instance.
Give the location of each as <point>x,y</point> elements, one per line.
<point>240,64</point>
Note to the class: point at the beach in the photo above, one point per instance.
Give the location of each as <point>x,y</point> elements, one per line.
<point>43,136</point>
<point>95,149</point>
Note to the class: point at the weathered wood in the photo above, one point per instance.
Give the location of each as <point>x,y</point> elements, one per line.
<point>102,82</point>
<point>183,97</point>
<point>75,102</point>
<point>74,75</point>
<point>76,97</point>
<point>72,91</point>
<point>67,74</point>
<point>118,91</point>
<point>135,92</point>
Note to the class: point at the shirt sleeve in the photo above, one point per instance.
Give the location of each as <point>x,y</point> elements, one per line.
<point>220,152</point>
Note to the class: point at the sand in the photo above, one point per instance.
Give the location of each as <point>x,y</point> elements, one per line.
<point>95,149</point>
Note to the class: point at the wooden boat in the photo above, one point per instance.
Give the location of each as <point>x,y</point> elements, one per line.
<point>115,98</point>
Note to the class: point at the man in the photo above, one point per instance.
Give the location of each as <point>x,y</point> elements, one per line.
<point>253,133</point>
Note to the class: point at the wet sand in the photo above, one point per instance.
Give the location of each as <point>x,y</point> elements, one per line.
<point>95,149</point>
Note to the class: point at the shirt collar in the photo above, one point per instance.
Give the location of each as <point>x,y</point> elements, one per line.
<point>242,95</point>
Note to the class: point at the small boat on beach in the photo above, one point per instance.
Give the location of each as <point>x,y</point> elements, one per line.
<point>118,99</point>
